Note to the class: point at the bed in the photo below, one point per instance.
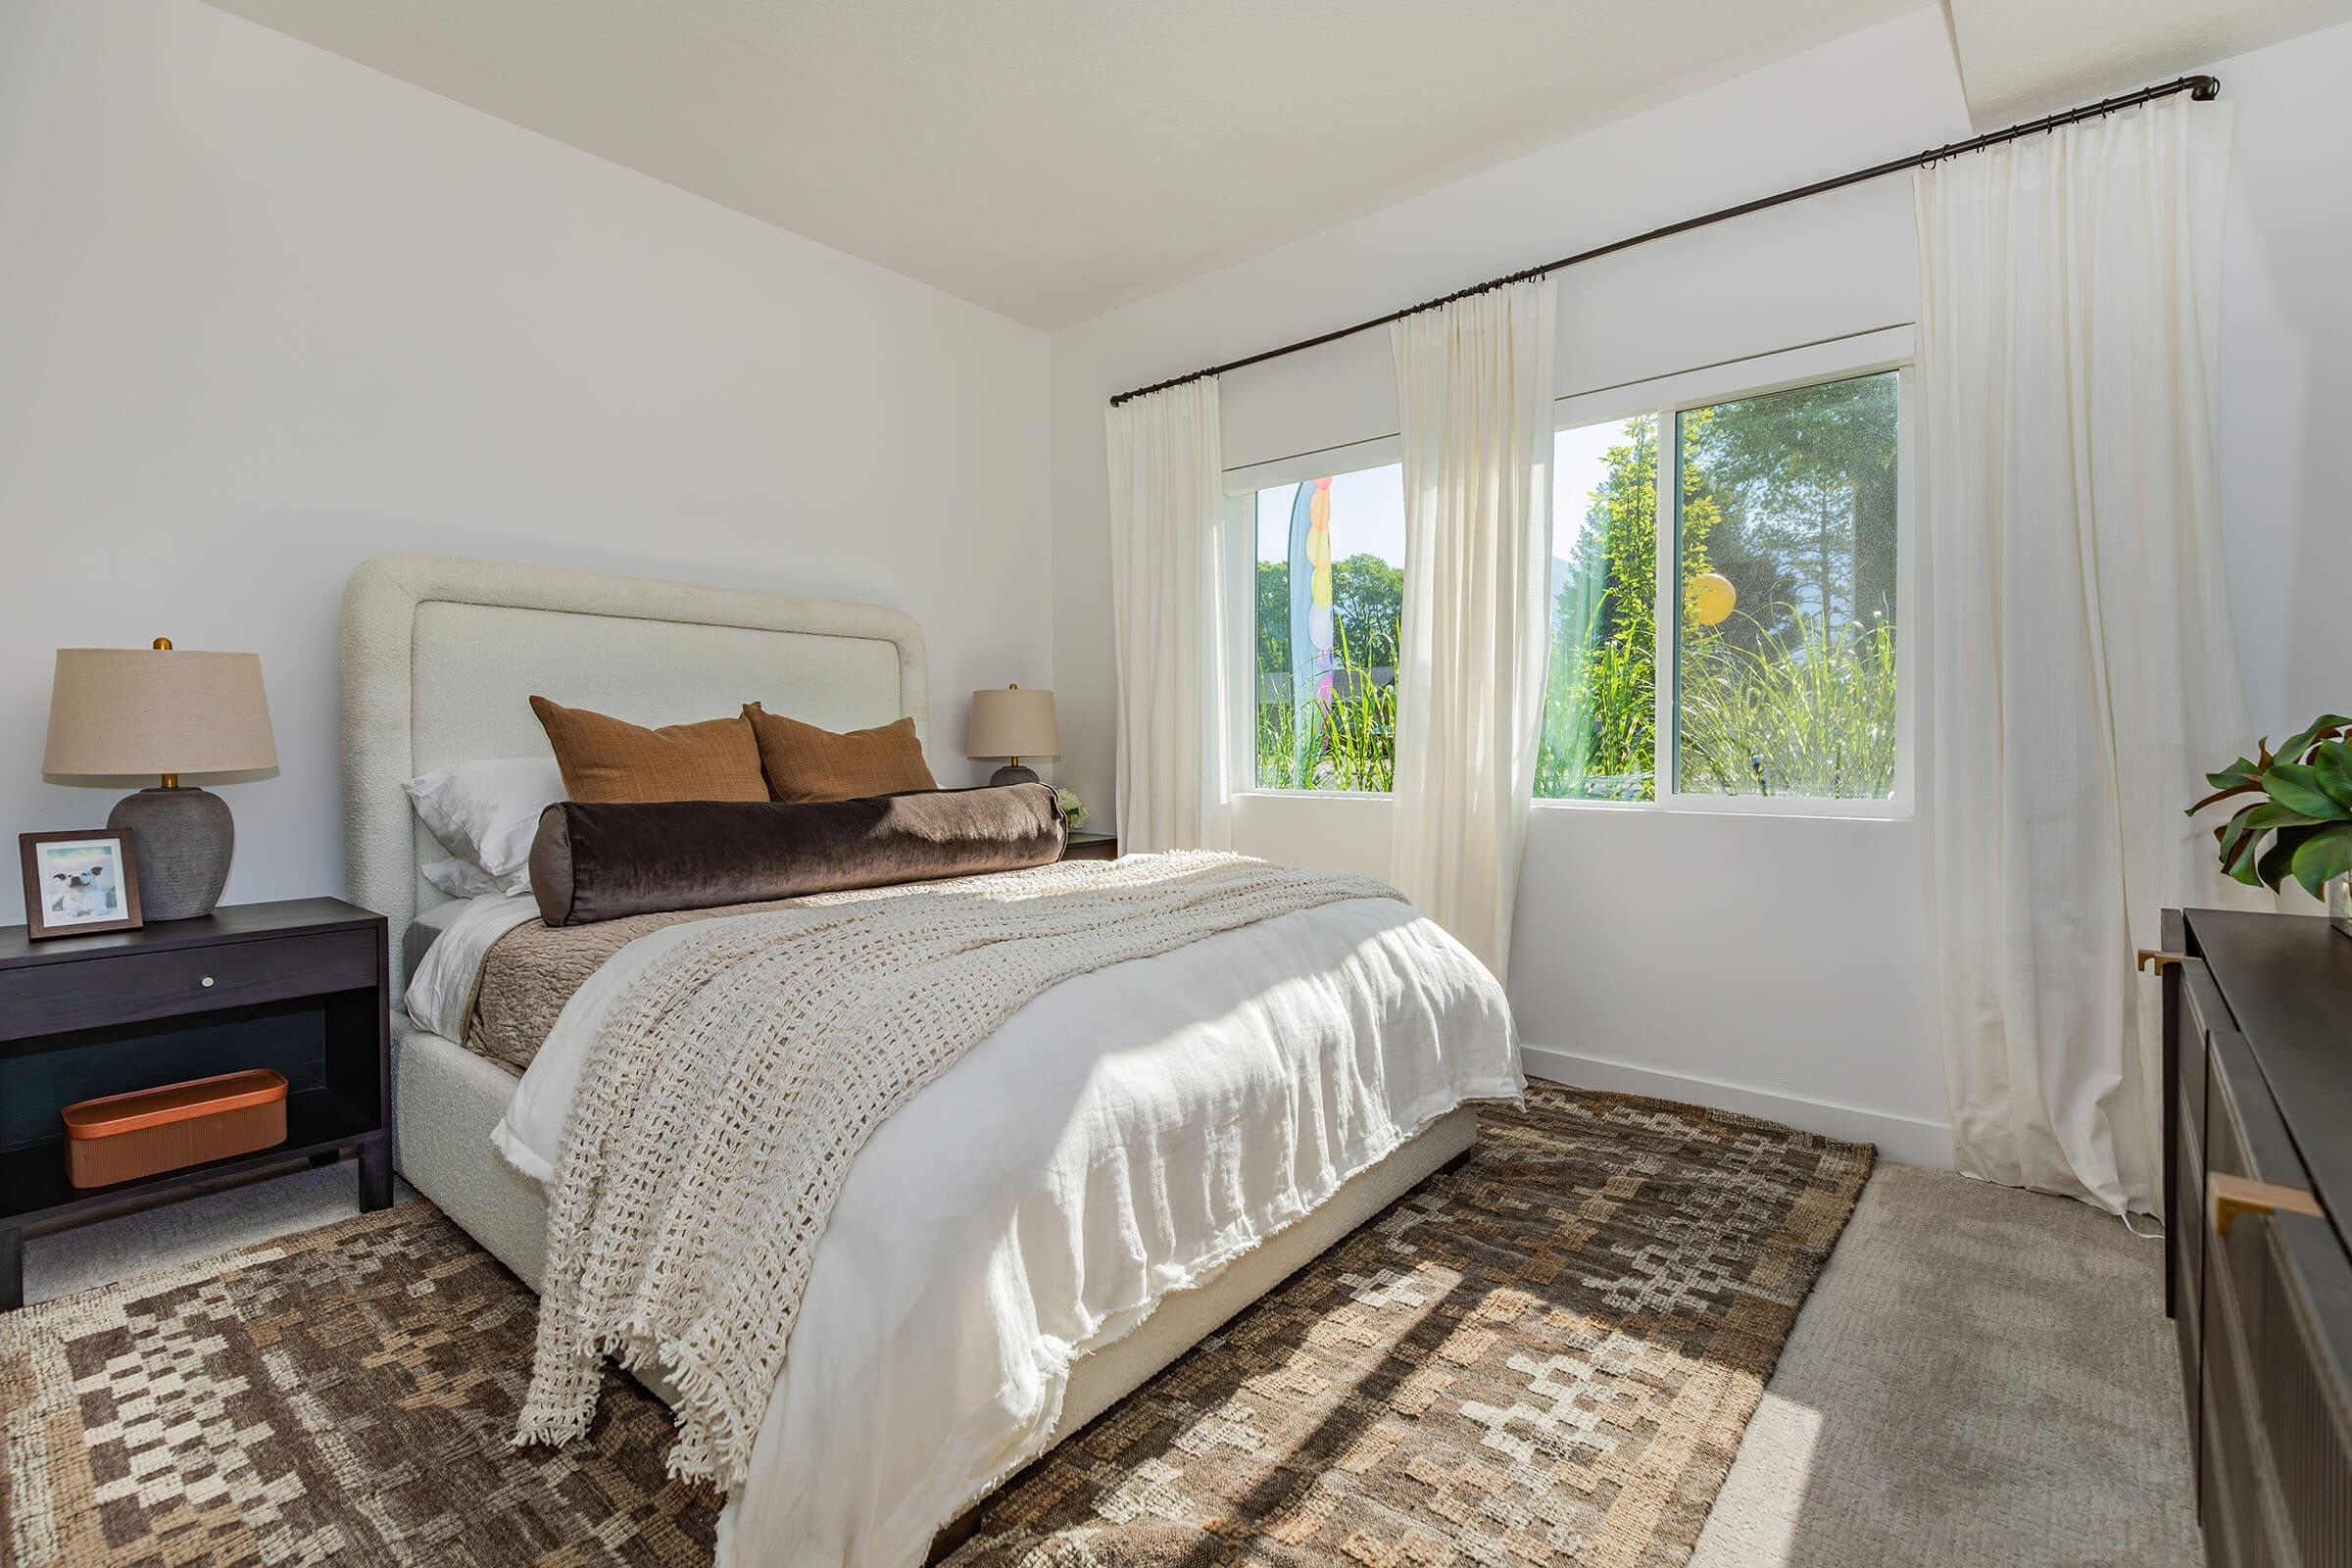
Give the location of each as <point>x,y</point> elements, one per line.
<point>439,657</point>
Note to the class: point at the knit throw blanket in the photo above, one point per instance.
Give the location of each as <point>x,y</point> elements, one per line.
<point>732,1085</point>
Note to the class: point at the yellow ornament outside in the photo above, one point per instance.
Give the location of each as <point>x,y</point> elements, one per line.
<point>1711,598</point>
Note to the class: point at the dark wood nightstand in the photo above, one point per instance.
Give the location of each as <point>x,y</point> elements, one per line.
<point>1092,847</point>
<point>301,987</point>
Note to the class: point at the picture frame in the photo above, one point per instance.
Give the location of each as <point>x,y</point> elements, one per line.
<point>78,883</point>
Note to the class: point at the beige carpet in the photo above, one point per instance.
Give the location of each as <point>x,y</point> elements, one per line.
<point>1981,1377</point>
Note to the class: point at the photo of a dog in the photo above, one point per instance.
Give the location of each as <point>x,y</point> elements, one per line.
<point>84,892</point>
<point>76,882</point>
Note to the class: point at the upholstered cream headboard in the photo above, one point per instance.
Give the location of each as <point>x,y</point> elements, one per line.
<point>441,654</point>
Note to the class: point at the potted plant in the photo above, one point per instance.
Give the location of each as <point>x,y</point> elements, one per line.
<point>2302,803</point>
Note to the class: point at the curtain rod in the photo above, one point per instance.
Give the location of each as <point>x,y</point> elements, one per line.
<point>2200,89</point>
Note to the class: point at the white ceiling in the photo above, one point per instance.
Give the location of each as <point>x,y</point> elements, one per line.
<point>1051,158</point>
<point>2022,57</point>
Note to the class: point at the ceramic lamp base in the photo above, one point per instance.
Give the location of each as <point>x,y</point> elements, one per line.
<point>181,839</point>
<point>1014,773</point>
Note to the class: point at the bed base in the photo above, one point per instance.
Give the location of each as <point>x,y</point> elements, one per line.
<point>966,1524</point>
<point>449,1099</point>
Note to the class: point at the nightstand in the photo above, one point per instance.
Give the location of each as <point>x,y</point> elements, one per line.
<point>1092,847</point>
<point>300,986</point>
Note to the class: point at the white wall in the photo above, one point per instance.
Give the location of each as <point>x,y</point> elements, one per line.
<point>1779,965</point>
<point>265,312</point>
<point>2286,376</point>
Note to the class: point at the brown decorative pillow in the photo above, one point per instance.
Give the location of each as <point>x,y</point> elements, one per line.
<point>609,759</point>
<point>806,764</point>
<point>602,862</point>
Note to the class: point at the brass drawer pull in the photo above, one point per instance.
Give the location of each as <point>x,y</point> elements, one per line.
<point>2158,957</point>
<point>2232,1196</point>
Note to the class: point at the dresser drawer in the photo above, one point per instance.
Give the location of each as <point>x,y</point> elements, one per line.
<point>2274,1302</point>
<point>2301,1380</point>
<point>53,998</point>
<point>2187,1230</point>
<point>2203,1011</point>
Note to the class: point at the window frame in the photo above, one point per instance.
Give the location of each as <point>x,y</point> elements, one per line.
<point>1240,587</point>
<point>1664,398</point>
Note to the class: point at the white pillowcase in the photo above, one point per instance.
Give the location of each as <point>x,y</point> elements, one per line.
<point>486,815</point>
<point>462,879</point>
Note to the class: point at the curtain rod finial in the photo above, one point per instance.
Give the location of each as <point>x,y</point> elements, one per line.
<point>2206,90</point>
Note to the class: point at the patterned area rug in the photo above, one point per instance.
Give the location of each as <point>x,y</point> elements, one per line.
<point>1546,1357</point>
<point>341,1396</point>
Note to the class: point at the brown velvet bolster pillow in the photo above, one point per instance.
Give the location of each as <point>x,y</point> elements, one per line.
<point>601,861</point>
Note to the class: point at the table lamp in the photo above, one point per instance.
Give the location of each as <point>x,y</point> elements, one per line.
<point>163,711</point>
<point>1012,724</point>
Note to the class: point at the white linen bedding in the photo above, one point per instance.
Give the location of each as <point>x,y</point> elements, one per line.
<point>442,987</point>
<point>1123,1136</point>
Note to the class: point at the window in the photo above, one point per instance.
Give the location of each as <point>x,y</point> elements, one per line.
<point>1330,597</point>
<point>1785,632</point>
<point>1771,666</point>
<point>1600,706</point>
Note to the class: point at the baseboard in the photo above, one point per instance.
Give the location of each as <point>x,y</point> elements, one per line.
<point>1908,1139</point>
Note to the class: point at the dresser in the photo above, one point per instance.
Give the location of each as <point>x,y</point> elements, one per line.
<point>2258,1161</point>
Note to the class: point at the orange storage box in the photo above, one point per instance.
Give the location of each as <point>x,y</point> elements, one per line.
<point>121,1138</point>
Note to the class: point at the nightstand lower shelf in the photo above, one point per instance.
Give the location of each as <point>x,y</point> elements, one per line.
<point>34,1185</point>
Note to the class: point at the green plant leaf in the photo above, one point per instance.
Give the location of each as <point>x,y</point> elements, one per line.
<point>2243,835</point>
<point>2232,832</point>
<point>2240,771</point>
<point>2241,867</point>
<point>2326,854</point>
<point>2330,724</point>
<point>2298,788</point>
<point>2275,864</point>
<point>2331,765</point>
<point>2271,813</point>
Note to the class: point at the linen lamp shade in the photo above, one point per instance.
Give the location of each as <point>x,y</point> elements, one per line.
<point>1013,723</point>
<point>125,712</point>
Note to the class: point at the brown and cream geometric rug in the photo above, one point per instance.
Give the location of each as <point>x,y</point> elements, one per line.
<point>1546,1357</point>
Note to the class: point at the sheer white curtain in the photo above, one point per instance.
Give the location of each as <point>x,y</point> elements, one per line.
<point>1474,398</point>
<point>1169,622</point>
<point>2084,672</point>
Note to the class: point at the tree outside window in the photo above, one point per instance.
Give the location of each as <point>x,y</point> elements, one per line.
<point>1783,638</point>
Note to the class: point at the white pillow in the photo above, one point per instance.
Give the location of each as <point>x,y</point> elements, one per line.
<point>486,815</point>
<point>462,879</point>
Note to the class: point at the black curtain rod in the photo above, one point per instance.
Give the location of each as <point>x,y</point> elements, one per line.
<point>2200,89</point>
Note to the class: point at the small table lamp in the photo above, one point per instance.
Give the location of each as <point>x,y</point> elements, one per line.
<point>160,711</point>
<point>1012,724</point>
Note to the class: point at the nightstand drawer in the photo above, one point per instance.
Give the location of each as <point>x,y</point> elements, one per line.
<point>130,987</point>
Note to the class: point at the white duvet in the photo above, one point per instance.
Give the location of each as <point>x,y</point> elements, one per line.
<point>1123,1136</point>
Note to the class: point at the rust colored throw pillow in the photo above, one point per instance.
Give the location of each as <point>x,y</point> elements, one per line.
<point>806,764</point>
<point>605,759</point>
